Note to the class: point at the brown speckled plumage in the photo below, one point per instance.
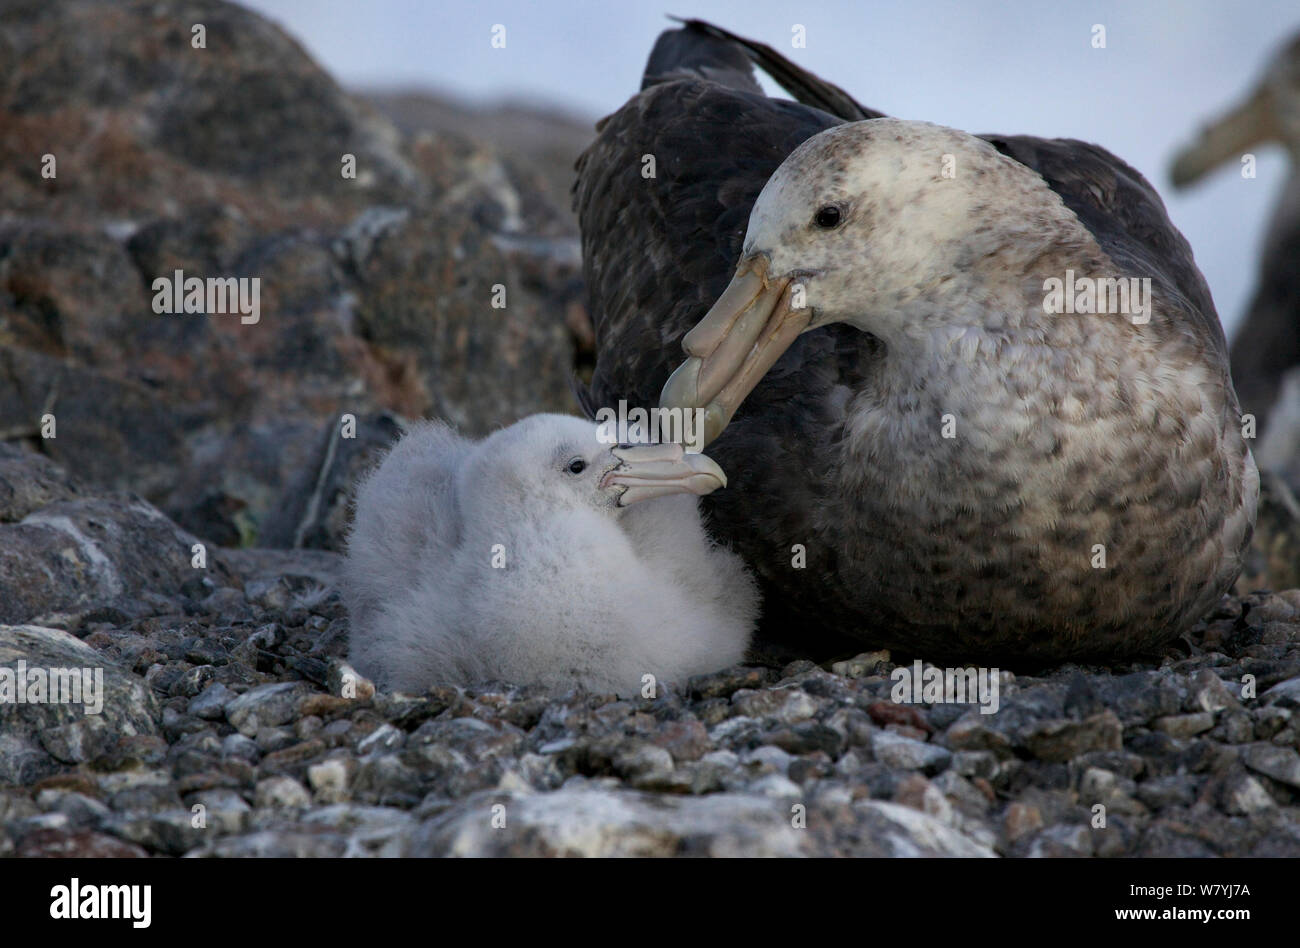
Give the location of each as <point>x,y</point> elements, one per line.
<point>1073,431</point>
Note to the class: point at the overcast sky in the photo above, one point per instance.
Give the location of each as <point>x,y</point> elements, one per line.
<point>1008,66</point>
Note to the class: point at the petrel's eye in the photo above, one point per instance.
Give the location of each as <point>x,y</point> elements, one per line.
<point>827,217</point>
<point>576,466</point>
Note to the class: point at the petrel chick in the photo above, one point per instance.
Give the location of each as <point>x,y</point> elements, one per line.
<point>540,556</point>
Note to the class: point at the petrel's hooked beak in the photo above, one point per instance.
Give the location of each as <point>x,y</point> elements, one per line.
<point>734,345</point>
<point>1227,137</point>
<point>655,470</point>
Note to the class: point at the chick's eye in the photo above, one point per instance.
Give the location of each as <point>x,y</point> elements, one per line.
<point>828,216</point>
<point>576,466</point>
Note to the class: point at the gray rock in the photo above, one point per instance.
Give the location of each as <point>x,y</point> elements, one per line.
<point>1280,763</point>
<point>775,786</point>
<point>329,779</point>
<point>807,737</point>
<point>1141,696</point>
<point>962,793</point>
<point>768,759</point>
<point>370,830</point>
<point>860,666</point>
<point>1062,841</point>
<point>905,832</point>
<point>1209,693</point>
<point>282,792</point>
<point>381,739</point>
<point>272,739</point>
<point>79,809</point>
<point>977,763</point>
<point>240,747</point>
<point>266,706</point>
<point>973,732</point>
<point>1270,721</point>
<point>1168,791</point>
<point>388,778</point>
<point>224,811</point>
<point>1285,694</point>
<point>853,725</point>
<point>787,705</point>
<point>73,558</point>
<point>725,683</point>
<point>1185,725</point>
<point>38,738</point>
<point>16,805</point>
<point>30,481</point>
<point>211,704</point>
<point>1243,794</point>
<point>170,831</point>
<point>642,760</point>
<point>894,750</point>
<point>1235,727</point>
<point>1060,740</point>
<point>282,842</point>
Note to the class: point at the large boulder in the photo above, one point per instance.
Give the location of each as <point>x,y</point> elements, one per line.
<point>228,160</point>
<point>80,557</point>
<point>39,735</point>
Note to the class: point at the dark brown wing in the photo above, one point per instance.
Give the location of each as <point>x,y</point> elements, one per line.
<point>699,51</point>
<point>658,250</point>
<point>799,82</point>
<point>1128,219</point>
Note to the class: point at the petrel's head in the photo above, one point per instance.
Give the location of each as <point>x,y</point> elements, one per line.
<point>892,226</point>
<point>1270,113</point>
<point>557,461</point>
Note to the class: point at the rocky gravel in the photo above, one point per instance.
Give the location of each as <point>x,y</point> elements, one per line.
<point>232,726</point>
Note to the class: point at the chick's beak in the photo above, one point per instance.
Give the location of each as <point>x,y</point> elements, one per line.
<point>655,470</point>
<point>734,345</point>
